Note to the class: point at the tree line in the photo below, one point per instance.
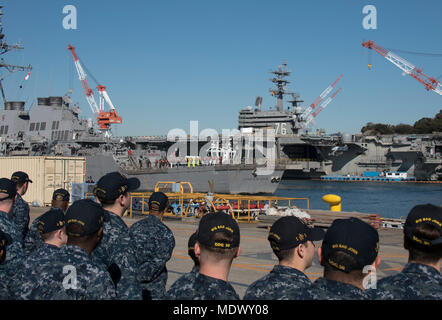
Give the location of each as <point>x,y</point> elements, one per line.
<point>422,126</point>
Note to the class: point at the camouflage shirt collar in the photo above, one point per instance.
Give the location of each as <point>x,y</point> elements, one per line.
<point>421,268</point>
<point>289,271</point>
<point>71,249</point>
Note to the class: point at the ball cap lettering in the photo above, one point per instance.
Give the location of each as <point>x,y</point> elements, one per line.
<point>213,223</point>
<point>423,214</point>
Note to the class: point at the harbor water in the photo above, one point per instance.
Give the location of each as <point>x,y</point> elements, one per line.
<point>390,200</point>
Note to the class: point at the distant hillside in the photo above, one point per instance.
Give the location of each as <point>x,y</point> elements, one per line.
<point>424,125</point>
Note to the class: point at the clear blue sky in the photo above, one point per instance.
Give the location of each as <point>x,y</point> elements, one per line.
<point>168,62</point>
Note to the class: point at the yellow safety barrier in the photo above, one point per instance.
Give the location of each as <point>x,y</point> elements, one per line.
<point>243,208</point>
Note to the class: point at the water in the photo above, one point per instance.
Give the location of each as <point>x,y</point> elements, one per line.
<point>392,200</point>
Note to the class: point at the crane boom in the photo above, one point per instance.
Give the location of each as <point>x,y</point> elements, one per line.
<point>320,108</point>
<point>82,76</point>
<point>315,103</point>
<point>104,118</point>
<point>430,83</point>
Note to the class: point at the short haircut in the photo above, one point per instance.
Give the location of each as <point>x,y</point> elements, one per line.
<point>422,253</point>
<point>78,229</point>
<point>221,253</point>
<point>106,202</point>
<point>287,254</point>
<point>49,235</point>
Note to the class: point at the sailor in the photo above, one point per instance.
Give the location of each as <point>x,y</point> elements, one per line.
<point>154,243</point>
<point>14,249</point>
<point>71,274</point>
<point>349,254</point>
<point>217,244</point>
<point>5,241</point>
<point>52,233</point>
<point>195,269</point>
<point>33,239</point>
<point>116,250</point>
<point>20,210</point>
<point>421,277</point>
<point>291,240</point>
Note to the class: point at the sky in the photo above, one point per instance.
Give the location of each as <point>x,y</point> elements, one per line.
<point>165,63</point>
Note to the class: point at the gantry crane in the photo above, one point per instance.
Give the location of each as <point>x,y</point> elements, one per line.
<point>104,118</point>
<point>430,83</point>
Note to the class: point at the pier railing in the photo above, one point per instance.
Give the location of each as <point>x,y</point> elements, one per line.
<point>243,208</point>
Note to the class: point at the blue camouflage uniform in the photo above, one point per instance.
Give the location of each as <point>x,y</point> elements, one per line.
<point>20,216</point>
<point>44,252</point>
<point>154,243</point>
<point>116,248</point>
<point>201,287</point>
<point>326,289</point>
<point>14,256</point>
<point>281,283</point>
<point>53,278</point>
<point>415,282</point>
<point>33,239</point>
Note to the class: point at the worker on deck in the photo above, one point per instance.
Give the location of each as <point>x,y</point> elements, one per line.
<point>421,277</point>
<point>291,240</point>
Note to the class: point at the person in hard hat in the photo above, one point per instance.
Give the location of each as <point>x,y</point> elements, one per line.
<point>421,277</point>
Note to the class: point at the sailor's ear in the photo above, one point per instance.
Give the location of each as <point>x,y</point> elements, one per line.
<point>238,252</point>
<point>197,250</point>
<point>320,255</point>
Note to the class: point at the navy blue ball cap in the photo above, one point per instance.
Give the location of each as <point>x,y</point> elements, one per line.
<point>420,214</point>
<point>354,237</point>
<point>20,177</point>
<point>158,201</point>
<point>84,217</point>
<point>8,187</point>
<point>51,220</point>
<point>61,195</point>
<point>288,232</point>
<point>215,222</point>
<point>114,184</point>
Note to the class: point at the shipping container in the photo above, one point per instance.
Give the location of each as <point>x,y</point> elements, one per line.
<point>47,173</point>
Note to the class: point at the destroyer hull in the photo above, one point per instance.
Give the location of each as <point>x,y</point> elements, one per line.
<point>231,179</point>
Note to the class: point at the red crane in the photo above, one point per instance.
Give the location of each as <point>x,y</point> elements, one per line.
<point>104,118</point>
<point>430,83</point>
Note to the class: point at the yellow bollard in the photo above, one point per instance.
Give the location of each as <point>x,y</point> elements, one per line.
<point>334,201</point>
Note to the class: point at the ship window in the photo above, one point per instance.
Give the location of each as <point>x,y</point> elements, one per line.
<point>43,126</point>
<point>1,129</point>
<point>66,134</point>
<point>58,123</point>
<point>31,128</point>
<point>37,126</point>
<point>53,125</point>
<point>6,130</point>
<point>52,135</point>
